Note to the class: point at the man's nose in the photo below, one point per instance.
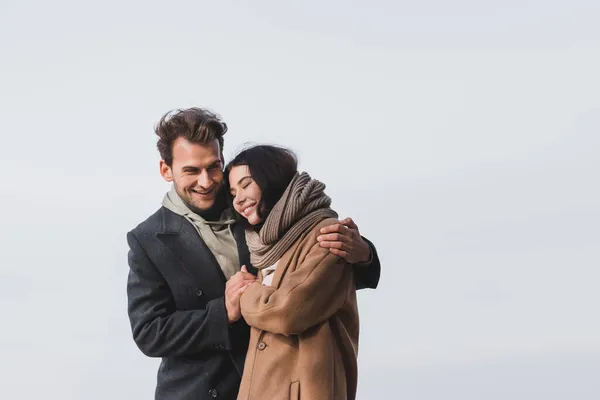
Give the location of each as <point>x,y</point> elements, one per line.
<point>204,179</point>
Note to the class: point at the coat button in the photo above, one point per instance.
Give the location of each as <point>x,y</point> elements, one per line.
<point>262,345</point>
<point>198,292</point>
<point>213,392</point>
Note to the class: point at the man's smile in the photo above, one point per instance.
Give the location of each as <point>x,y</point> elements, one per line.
<point>203,193</point>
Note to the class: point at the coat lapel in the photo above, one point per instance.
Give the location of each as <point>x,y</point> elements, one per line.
<point>282,266</point>
<point>184,244</point>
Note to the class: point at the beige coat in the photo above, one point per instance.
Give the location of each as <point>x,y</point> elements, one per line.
<point>304,338</point>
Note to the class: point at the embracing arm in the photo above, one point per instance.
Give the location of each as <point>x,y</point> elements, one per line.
<point>158,328</point>
<point>343,239</point>
<point>366,275</point>
<point>311,294</point>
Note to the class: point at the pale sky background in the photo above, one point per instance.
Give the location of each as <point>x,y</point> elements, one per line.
<point>463,137</point>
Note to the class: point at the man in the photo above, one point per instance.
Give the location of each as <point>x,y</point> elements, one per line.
<point>183,286</point>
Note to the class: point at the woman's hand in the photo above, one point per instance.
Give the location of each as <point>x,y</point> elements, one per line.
<point>234,288</point>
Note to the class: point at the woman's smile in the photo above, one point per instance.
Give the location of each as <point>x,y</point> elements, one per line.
<point>248,210</point>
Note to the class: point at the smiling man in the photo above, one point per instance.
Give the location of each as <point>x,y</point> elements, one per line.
<point>183,297</point>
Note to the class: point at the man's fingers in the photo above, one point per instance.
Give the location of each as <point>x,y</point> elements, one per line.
<point>242,276</point>
<point>349,222</point>
<point>242,289</point>
<point>335,245</point>
<point>244,269</point>
<point>235,283</point>
<point>248,277</point>
<point>333,237</point>
<point>339,252</point>
<point>342,226</point>
<point>333,228</point>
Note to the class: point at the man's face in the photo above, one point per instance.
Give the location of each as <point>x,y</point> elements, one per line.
<point>196,173</point>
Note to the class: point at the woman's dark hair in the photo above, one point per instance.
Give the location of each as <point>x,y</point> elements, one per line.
<point>272,168</point>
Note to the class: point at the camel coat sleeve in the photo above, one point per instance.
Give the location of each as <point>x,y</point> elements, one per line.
<point>308,295</point>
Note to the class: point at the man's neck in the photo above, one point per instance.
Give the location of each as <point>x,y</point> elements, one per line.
<point>213,213</point>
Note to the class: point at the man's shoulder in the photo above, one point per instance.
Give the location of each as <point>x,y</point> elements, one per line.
<point>151,225</point>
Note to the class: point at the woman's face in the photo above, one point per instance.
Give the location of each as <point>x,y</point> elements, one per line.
<point>246,193</point>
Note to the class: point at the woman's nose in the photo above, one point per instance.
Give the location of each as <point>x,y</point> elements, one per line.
<point>239,198</point>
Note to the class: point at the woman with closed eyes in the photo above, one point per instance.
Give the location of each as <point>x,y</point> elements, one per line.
<point>303,312</point>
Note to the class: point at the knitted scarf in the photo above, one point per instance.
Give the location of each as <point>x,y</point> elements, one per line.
<point>303,204</point>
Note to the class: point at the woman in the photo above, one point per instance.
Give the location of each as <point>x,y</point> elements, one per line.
<point>303,313</point>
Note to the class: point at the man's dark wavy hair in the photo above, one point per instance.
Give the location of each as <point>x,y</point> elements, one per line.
<point>197,125</point>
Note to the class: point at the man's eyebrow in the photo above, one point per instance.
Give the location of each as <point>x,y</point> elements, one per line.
<point>190,168</point>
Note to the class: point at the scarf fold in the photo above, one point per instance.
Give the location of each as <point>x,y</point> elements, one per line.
<point>303,204</point>
<point>217,235</point>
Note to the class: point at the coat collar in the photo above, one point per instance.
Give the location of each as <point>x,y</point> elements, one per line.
<point>171,222</point>
<point>185,246</point>
<point>188,248</point>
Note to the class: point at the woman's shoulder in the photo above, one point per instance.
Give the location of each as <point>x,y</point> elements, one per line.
<point>324,223</point>
<point>311,236</point>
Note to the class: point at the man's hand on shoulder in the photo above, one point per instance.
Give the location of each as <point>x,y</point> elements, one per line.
<point>343,239</point>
